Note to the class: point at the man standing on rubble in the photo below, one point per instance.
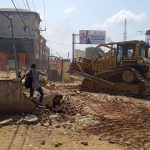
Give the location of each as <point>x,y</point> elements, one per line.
<point>35,82</point>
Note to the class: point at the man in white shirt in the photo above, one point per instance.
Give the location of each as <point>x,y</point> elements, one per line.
<point>35,85</point>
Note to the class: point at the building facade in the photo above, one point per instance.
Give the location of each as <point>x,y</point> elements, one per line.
<point>30,45</point>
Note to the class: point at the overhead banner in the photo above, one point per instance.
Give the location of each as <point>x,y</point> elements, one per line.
<point>92,36</point>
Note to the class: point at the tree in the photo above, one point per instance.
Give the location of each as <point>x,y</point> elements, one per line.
<point>90,52</point>
<point>108,39</point>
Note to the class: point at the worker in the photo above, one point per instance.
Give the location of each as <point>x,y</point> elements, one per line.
<point>34,82</point>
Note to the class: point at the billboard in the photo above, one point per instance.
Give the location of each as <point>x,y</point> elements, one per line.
<point>92,36</point>
<point>148,32</point>
<point>148,36</point>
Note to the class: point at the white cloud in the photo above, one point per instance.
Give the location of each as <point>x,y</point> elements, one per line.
<point>70,9</point>
<point>120,17</point>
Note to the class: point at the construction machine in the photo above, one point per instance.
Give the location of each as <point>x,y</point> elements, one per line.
<point>124,69</point>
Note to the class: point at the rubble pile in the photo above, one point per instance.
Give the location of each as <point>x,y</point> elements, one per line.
<point>123,122</point>
<point>117,119</point>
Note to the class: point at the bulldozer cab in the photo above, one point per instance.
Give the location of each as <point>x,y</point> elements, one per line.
<point>125,51</point>
<point>129,53</point>
<point>145,51</point>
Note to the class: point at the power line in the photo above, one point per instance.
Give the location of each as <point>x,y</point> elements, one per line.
<point>33,5</point>
<point>48,39</point>
<point>28,5</point>
<point>30,11</point>
<point>60,43</point>
<point>58,54</point>
<point>34,21</point>
<point>17,3</point>
<point>57,43</point>
<point>46,25</point>
<point>21,17</point>
<point>24,4</point>
<point>44,12</point>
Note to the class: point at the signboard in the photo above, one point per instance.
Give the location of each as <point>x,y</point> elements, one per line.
<point>148,36</point>
<point>148,32</point>
<point>92,36</point>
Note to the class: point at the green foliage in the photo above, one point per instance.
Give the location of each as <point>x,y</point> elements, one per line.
<point>91,51</point>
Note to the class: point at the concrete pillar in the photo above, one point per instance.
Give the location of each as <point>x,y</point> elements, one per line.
<point>65,69</point>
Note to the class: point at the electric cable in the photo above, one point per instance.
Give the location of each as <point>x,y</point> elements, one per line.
<point>24,4</point>
<point>21,17</point>
<point>34,5</point>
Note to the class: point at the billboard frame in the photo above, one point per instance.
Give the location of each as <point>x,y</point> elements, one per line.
<point>74,42</point>
<point>92,36</point>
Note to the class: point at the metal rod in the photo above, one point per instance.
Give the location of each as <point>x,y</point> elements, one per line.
<point>4,15</point>
<point>14,47</point>
<point>39,52</point>
<point>73,46</point>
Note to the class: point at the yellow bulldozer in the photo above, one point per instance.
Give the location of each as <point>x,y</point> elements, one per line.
<point>124,69</point>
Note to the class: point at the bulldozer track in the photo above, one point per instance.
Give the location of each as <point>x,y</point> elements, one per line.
<point>99,83</point>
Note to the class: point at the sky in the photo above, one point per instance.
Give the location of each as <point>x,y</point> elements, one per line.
<point>62,18</point>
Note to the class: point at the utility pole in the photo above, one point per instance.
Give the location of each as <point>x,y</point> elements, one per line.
<point>13,42</point>
<point>125,30</point>
<point>40,45</point>
<point>14,47</point>
<point>73,46</point>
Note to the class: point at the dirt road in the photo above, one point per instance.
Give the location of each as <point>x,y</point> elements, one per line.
<point>83,121</point>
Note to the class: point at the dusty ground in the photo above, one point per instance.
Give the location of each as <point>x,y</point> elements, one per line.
<point>83,121</point>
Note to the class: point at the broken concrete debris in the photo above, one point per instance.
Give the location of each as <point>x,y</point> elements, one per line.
<point>46,124</point>
<point>108,117</point>
<point>6,121</point>
<point>84,143</point>
<point>18,100</point>
<point>58,144</point>
<point>30,118</point>
<point>43,142</point>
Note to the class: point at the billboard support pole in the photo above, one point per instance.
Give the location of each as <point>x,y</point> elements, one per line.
<point>73,46</point>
